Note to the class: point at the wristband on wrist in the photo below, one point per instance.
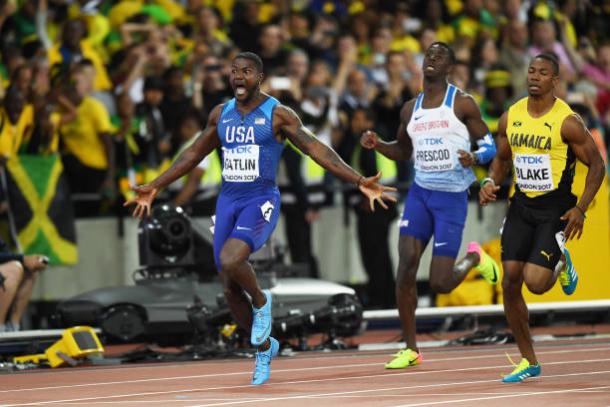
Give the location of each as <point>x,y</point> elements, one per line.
<point>486,180</point>
<point>581,211</point>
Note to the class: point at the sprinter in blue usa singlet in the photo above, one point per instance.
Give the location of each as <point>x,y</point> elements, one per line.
<point>251,129</point>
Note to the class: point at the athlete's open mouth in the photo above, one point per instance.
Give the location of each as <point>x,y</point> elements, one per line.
<point>240,90</point>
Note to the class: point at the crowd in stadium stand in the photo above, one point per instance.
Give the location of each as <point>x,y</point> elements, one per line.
<point>117,87</point>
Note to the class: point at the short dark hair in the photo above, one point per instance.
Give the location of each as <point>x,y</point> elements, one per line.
<point>550,58</point>
<point>447,48</point>
<point>258,63</point>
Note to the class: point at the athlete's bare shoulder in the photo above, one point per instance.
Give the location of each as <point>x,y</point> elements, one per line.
<point>465,105</point>
<point>215,114</point>
<point>407,110</point>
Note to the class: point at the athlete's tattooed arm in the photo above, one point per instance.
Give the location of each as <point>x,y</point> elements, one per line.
<point>287,124</point>
<point>575,133</point>
<point>500,165</point>
<point>291,127</point>
<point>401,148</point>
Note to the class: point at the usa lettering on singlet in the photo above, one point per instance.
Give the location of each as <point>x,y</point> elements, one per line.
<point>250,151</point>
<point>437,134</point>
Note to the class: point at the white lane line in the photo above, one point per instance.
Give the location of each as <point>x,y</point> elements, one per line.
<point>317,368</point>
<point>536,393</point>
<point>326,380</point>
<point>330,395</point>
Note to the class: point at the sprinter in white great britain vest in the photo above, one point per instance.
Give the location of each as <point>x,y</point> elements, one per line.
<point>251,129</point>
<point>436,130</point>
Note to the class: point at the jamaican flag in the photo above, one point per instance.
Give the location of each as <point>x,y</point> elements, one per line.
<point>41,207</point>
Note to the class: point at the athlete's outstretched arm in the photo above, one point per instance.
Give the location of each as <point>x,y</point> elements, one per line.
<point>290,126</point>
<point>401,148</point>
<point>467,110</point>
<point>499,166</point>
<point>575,133</point>
<point>206,142</point>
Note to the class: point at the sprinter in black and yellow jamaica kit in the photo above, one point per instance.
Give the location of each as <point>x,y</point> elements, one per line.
<point>542,137</point>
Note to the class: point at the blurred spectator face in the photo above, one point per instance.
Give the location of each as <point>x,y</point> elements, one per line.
<point>460,75</point>
<point>360,122</point>
<point>473,8</point>
<point>153,97</point>
<point>81,84</point>
<point>23,79</point>
<point>543,34</point>
<point>511,9</point>
<point>517,34</point>
<point>188,128</point>
<point>356,83</point>
<point>396,64</point>
<point>88,72</point>
<point>271,39</point>
<point>497,96</point>
<point>298,65</point>
<point>603,57</point>
<point>319,75</point>
<point>428,37</point>
<point>360,27</point>
<point>175,80</point>
<point>29,8</point>
<point>213,68</point>
<point>207,20</point>
<point>382,40</point>
<point>299,25</point>
<point>13,104</point>
<point>434,12</point>
<point>72,34</point>
<point>489,52</point>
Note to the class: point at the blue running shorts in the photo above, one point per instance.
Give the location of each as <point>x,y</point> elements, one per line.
<point>438,213</point>
<point>251,220</point>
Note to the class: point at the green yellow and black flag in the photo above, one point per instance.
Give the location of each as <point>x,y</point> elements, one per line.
<point>41,208</point>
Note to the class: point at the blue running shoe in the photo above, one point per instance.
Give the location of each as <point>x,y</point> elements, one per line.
<point>263,362</point>
<point>261,322</point>
<point>567,276</point>
<point>522,371</point>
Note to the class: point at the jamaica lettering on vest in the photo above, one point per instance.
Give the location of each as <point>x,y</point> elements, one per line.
<point>530,141</point>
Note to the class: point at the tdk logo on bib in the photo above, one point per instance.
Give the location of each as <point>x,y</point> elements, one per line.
<point>528,159</point>
<point>430,141</point>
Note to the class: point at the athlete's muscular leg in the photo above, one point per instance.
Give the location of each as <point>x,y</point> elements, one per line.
<point>238,302</point>
<point>238,276</point>
<point>538,279</point>
<point>516,310</point>
<point>235,267</point>
<point>446,274</point>
<point>410,250</point>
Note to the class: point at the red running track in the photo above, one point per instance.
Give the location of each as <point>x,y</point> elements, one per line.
<point>574,373</point>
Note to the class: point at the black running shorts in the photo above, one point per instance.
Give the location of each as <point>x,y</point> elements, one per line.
<point>528,233</point>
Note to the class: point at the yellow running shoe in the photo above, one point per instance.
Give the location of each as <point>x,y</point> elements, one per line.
<point>404,358</point>
<point>487,265</point>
